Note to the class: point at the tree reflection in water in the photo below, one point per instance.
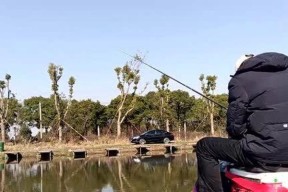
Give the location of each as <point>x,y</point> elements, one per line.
<point>128,174</point>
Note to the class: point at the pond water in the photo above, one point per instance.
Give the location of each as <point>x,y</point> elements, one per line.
<point>167,173</point>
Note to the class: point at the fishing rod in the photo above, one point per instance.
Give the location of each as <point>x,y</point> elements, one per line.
<point>141,61</point>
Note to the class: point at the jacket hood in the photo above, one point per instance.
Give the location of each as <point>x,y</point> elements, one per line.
<point>266,62</point>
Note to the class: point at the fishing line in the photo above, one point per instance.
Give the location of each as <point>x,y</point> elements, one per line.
<point>141,61</point>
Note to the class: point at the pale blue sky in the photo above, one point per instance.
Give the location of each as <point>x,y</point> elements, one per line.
<point>182,38</point>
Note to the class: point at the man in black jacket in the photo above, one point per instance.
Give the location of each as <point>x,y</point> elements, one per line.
<point>257,121</point>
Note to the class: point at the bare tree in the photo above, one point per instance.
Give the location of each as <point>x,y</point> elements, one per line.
<point>128,79</point>
<point>208,88</point>
<point>164,92</point>
<point>55,73</point>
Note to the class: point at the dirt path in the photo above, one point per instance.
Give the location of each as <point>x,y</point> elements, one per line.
<point>60,149</point>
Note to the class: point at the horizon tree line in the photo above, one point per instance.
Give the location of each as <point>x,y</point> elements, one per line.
<point>129,113</point>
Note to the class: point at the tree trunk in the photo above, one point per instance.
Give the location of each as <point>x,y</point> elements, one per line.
<point>98,131</point>
<point>161,107</point>
<point>167,125</point>
<point>2,115</point>
<point>212,123</point>
<point>185,131</point>
<point>2,130</point>
<point>119,121</point>
<point>60,133</point>
<point>179,131</point>
<point>40,120</point>
<point>118,128</point>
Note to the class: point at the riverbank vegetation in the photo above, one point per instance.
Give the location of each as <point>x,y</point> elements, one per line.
<point>67,120</point>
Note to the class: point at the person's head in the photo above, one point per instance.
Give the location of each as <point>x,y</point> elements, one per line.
<point>241,60</point>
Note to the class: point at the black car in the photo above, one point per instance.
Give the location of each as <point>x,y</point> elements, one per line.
<point>153,136</point>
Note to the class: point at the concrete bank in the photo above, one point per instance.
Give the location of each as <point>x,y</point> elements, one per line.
<point>31,151</point>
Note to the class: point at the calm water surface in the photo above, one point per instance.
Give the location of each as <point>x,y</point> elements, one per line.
<point>102,174</point>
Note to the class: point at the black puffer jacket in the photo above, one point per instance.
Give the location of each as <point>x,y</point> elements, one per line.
<point>258,107</point>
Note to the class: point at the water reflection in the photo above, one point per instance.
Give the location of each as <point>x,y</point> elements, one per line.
<point>128,174</point>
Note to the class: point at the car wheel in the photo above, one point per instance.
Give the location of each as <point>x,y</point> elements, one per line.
<point>142,141</point>
<point>166,140</point>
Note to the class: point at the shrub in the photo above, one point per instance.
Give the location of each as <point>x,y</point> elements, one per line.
<point>25,132</point>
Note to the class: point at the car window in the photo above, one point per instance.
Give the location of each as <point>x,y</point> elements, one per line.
<point>159,132</point>
<point>150,132</point>
<point>144,133</point>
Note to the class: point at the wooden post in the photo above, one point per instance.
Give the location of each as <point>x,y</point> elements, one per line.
<point>98,131</point>
<point>185,131</point>
<point>40,119</point>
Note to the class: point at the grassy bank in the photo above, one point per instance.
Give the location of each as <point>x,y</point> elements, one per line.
<point>96,147</point>
<point>94,143</point>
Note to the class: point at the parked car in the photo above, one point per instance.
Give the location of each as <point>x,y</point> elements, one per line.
<point>153,136</point>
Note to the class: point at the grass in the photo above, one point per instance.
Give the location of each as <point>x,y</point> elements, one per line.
<point>95,145</point>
